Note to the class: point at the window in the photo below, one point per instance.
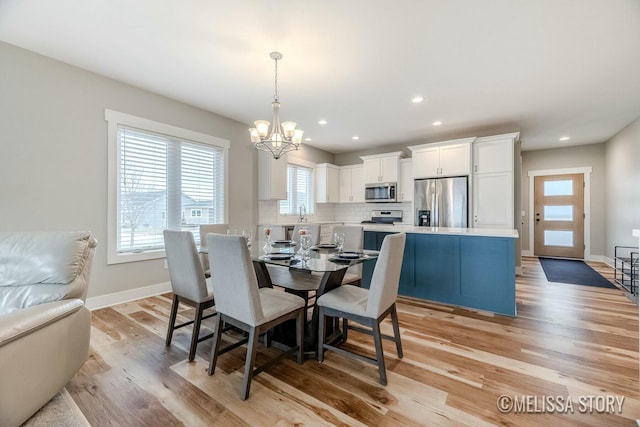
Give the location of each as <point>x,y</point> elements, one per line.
<point>160,177</point>
<point>299,190</point>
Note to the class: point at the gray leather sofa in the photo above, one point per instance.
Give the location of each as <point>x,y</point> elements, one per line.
<point>44,324</point>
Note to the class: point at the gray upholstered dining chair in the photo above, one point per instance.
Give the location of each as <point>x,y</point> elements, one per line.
<point>204,230</point>
<point>368,307</point>
<point>240,303</point>
<point>353,241</point>
<point>188,284</point>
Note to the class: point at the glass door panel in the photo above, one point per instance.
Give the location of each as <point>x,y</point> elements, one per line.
<point>558,238</point>
<point>558,213</point>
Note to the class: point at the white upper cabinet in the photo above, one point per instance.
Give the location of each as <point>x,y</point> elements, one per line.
<point>405,192</point>
<point>493,154</point>
<point>352,184</point>
<point>381,167</point>
<point>272,177</point>
<point>449,158</point>
<point>327,183</point>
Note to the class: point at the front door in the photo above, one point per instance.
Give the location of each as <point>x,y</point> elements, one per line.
<point>559,215</point>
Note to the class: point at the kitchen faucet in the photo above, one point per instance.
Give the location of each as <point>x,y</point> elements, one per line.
<point>303,214</point>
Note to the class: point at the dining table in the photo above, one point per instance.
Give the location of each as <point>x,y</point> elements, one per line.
<point>310,273</point>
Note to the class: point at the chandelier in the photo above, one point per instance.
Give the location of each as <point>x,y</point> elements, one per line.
<point>280,138</point>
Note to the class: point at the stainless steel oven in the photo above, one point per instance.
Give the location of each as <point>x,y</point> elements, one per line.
<point>380,192</point>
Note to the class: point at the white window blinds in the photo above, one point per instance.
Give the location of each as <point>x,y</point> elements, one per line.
<point>162,181</point>
<point>299,190</point>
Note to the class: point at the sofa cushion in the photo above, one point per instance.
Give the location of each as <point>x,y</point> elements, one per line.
<point>29,258</point>
<point>14,298</point>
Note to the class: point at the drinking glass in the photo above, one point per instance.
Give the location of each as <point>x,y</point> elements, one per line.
<point>247,235</point>
<point>305,246</point>
<point>339,241</point>
<point>267,235</point>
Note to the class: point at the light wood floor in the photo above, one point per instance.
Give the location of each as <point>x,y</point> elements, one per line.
<point>567,340</point>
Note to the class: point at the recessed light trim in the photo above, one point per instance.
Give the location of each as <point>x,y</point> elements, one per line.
<point>437,123</point>
<point>355,137</point>
<point>565,138</point>
<point>307,139</point>
<point>322,122</point>
<point>417,99</point>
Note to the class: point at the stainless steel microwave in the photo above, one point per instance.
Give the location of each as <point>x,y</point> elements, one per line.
<point>380,192</point>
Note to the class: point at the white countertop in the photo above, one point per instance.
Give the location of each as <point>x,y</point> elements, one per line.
<point>480,232</point>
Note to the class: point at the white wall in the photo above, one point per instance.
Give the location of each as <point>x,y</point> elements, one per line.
<point>53,155</point>
<point>623,187</point>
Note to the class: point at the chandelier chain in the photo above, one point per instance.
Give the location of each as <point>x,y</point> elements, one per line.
<point>275,95</point>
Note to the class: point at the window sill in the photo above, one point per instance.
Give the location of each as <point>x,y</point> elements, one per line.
<point>121,258</point>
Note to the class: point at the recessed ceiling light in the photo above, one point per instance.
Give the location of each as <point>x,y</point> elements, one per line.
<point>565,138</point>
<point>307,139</point>
<point>417,99</point>
<point>355,138</point>
<point>437,123</point>
<point>322,122</point>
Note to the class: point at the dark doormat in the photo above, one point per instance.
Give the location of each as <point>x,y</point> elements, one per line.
<point>573,271</point>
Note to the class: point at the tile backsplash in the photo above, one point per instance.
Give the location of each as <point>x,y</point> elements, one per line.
<point>328,212</point>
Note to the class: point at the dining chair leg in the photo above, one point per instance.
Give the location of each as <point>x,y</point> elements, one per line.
<point>396,330</point>
<point>320,334</point>
<point>377,339</point>
<point>196,332</point>
<point>300,334</point>
<point>217,335</point>
<point>172,319</point>
<point>248,366</point>
<point>345,329</point>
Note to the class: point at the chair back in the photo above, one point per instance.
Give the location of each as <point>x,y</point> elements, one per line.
<point>185,269</point>
<point>206,229</point>
<point>386,275</point>
<point>353,241</point>
<point>353,236</point>
<point>234,278</point>
<point>211,228</point>
<point>313,229</point>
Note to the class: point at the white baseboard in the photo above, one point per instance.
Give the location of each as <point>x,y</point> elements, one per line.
<point>608,261</point>
<point>526,253</point>
<point>518,270</point>
<point>595,258</point>
<point>108,300</point>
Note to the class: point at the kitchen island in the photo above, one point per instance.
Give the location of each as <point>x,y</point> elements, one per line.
<point>469,267</point>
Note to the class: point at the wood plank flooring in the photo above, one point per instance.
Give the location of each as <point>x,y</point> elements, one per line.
<point>567,340</point>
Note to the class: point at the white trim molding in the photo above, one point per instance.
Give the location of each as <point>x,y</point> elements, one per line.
<point>115,118</point>
<point>586,171</point>
<point>102,301</point>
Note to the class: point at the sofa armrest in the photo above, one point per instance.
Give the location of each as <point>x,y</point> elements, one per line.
<point>19,323</point>
<point>41,348</point>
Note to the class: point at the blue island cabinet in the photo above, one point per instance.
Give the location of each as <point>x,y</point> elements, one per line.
<point>470,271</point>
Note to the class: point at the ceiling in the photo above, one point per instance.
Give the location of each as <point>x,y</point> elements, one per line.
<point>546,68</point>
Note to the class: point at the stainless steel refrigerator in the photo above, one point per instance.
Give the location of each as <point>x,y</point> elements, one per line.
<point>442,202</point>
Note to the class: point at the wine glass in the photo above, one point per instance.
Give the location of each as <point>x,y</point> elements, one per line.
<point>305,245</point>
<point>247,234</point>
<point>267,235</point>
<point>339,241</point>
